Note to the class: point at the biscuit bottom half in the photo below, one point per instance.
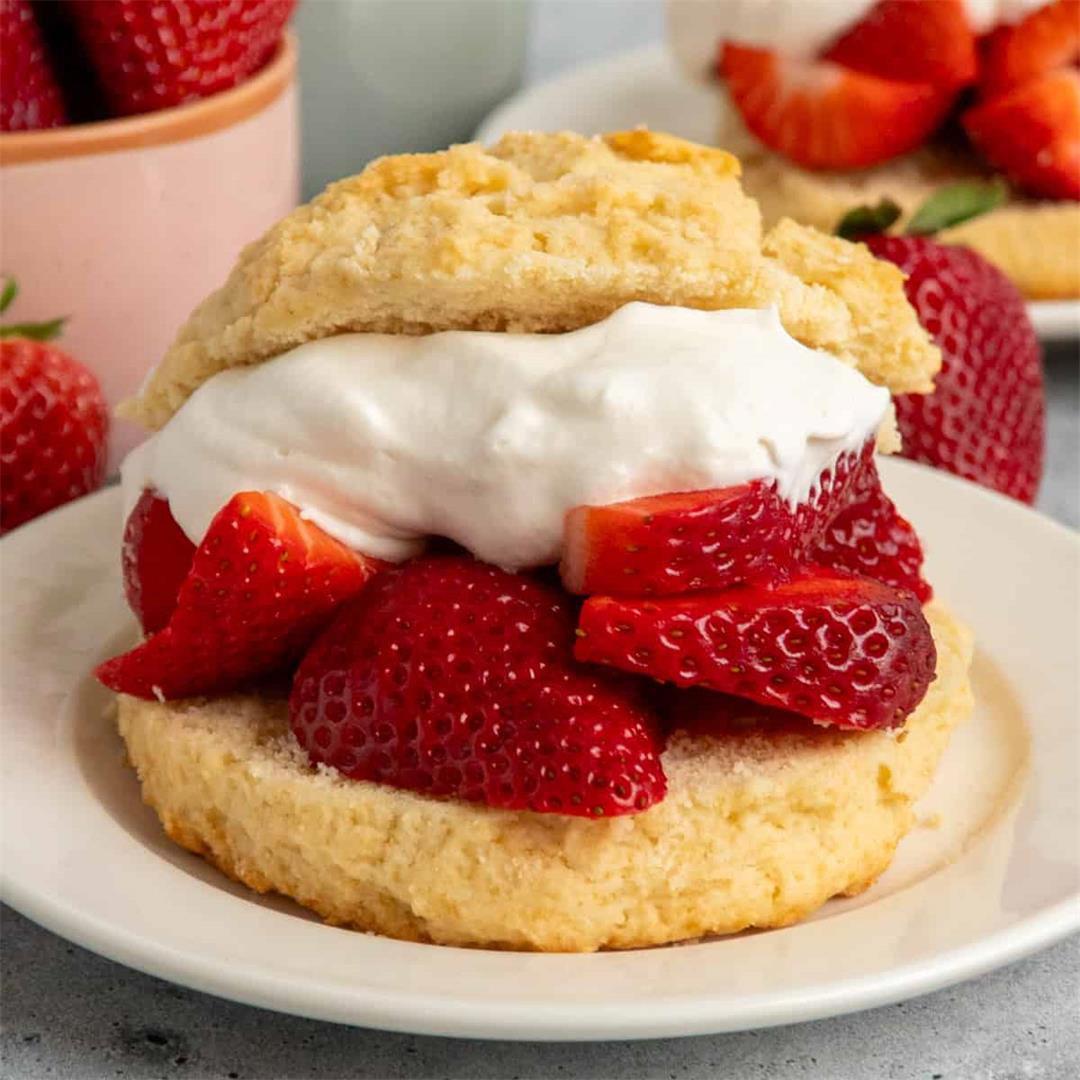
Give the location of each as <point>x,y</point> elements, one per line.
<point>759,827</point>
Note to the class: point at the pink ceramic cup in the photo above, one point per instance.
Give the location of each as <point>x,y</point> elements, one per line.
<point>125,225</point>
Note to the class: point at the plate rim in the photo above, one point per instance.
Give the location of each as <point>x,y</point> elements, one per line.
<point>1054,320</point>
<point>420,1013</point>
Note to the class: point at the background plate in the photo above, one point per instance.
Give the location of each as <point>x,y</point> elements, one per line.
<point>992,874</point>
<point>644,86</point>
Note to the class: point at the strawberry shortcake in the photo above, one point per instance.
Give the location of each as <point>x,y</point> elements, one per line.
<point>512,561</point>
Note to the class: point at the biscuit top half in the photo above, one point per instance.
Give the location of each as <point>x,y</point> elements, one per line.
<point>542,233</point>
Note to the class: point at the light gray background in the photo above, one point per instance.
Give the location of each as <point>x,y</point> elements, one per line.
<point>70,1014</point>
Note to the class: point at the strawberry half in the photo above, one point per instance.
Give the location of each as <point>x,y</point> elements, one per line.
<point>1032,133</point>
<point>453,678</point>
<point>824,116</point>
<point>262,584</point>
<point>869,537</point>
<point>1047,39</point>
<point>156,558</point>
<point>986,419</point>
<point>926,42</point>
<point>696,540</point>
<point>838,649</point>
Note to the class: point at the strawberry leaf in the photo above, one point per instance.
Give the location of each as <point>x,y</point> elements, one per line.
<point>866,220</point>
<point>956,203</point>
<point>41,331</point>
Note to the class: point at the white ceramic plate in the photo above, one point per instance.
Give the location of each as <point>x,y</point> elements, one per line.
<point>992,874</point>
<point>645,87</point>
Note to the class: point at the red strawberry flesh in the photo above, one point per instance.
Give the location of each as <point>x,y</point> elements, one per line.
<point>838,649</point>
<point>1032,133</point>
<point>708,712</point>
<point>869,537</point>
<point>262,584</point>
<point>1046,39</point>
<point>453,678</point>
<point>696,540</point>
<point>156,559</point>
<point>926,42</point>
<point>824,116</point>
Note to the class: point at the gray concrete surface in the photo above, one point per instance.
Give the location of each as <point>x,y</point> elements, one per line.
<point>70,1014</point>
<point>66,1013</point>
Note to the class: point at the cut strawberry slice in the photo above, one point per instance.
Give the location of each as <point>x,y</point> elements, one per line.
<point>926,42</point>
<point>838,649</point>
<point>680,542</point>
<point>156,558</point>
<point>869,537</point>
<point>694,540</point>
<point>1032,134</point>
<point>262,584</point>
<point>824,116</point>
<point>454,678</point>
<point>1047,39</point>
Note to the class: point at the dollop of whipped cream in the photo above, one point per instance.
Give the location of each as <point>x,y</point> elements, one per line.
<point>800,27</point>
<point>490,438</point>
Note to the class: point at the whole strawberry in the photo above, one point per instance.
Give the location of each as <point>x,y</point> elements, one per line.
<point>985,420</point>
<point>53,423</point>
<point>150,56</point>
<point>29,95</point>
<point>454,678</point>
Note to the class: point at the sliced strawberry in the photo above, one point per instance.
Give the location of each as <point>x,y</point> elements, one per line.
<point>695,540</point>
<point>869,537</point>
<point>926,42</point>
<point>453,678</point>
<point>679,542</point>
<point>1032,134</point>
<point>1047,39</point>
<point>262,584</point>
<point>839,649</point>
<point>824,116</point>
<point>156,558</point>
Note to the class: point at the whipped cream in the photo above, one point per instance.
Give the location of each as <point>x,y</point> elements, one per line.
<point>799,27</point>
<point>490,438</point>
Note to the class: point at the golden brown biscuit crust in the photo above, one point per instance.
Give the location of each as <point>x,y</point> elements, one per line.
<point>758,828</point>
<point>541,233</point>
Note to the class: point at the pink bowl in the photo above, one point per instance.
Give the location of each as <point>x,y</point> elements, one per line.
<point>125,225</point>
